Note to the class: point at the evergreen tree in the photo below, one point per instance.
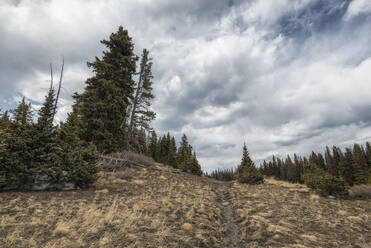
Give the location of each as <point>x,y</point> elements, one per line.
<point>77,157</point>
<point>360,165</point>
<point>321,161</point>
<point>290,169</point>
<point>103,105</point>
<point>44,145</point>
<point>330,162</point>
<point>195,167</point>
<point>16,145</point>
<point>164,149</point>
<point>153,145</point>
<point>158,150</point>
<point>4,132</point>
<point>184,152</point>
<point>140,113</point>
<point>187,160</point>
<point>172,153</point>
<point>246,172</point>
<point>368,155</point>
<point>347,166</point>
<point>313,159</point>
<point>336,160</point>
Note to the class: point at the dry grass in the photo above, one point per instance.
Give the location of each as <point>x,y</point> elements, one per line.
<point>120,160</point>
<point>360,191</point>
<point>141,207</point>
<point>155,209</point>
<point>279,214</point>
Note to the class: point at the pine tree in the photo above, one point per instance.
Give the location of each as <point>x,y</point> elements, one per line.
<point>77,158</point>
<point>195,167</point>
<point>298,169</point>
<point>321,161</point>
<point>153,145</point>
<point>103,105</point>
<point>330,162</point>
<point>140,113</point>
<point>290,169</point>
<point>142,142</point>
<point>158,150</point>
<point>44,145</point>
<point>336,160</point>
<point>360,165</point>
<point>16,153</point>
<point>246,172</point>
<point>4,132</point>
<point>187,160</point>
<point>346,163</point>
<point>368,155</point>
<point>172,154</point>
<point>164,149</point>
<point>184,152</point>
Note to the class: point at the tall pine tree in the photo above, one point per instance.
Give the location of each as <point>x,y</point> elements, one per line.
<point>103,105</point>
<point>140,112</point>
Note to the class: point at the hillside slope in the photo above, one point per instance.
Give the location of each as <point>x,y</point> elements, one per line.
<point>161,207</point>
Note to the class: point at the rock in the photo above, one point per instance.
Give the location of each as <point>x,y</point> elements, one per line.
<point>69,186</point>
<point>331,197</point>
<point>42,186</point>
<point>225,203</point>
<point>187,226</point>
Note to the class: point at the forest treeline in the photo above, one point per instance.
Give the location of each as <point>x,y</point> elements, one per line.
<point>331,173</point>
<point>112,114</point>
<point>353,165</point>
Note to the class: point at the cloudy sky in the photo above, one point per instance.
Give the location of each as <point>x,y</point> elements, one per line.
<point>286,76</point>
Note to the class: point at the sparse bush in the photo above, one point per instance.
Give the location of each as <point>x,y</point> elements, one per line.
<point>360,191</point>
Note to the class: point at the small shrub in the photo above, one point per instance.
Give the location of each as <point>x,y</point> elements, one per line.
<point>331,185</point>
<point>325,183</point>
<point>249,175</point>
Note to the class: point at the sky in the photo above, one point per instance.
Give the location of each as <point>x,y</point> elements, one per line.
<point>288,76</point>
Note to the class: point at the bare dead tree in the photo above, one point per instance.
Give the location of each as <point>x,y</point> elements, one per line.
<point>59,86</point>
<point>51,76</point>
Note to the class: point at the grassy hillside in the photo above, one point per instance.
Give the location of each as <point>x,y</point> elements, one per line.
<point>161,207</point>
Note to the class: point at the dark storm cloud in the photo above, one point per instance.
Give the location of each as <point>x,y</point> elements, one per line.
<point>284,76</point>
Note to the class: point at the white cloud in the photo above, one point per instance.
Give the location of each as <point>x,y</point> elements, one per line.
<point>358,7</point>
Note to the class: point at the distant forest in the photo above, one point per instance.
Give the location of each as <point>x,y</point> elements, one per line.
<point>330,174</point>
<point>352,165</point>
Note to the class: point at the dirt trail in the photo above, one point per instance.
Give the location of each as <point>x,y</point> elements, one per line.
<point>231,227</point>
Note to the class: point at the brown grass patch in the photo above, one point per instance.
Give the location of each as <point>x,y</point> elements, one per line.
<point>360,191</point>
<point>166,208</point>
